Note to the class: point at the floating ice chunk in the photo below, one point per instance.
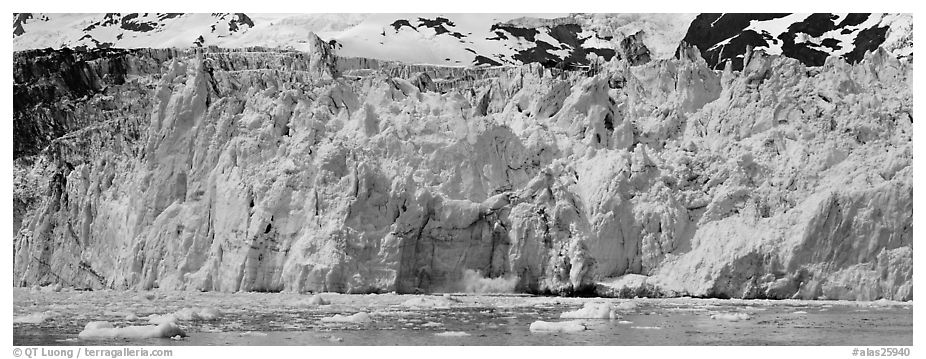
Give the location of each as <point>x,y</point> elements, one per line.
<point>624,322</point>
<point>162,318</point>
<point>52,288</point>
<point>190,314</point>
<point>591,311</point>
<point>100,324</point>
<point>201,313</point>
<point>252,334</point>
<point>394,313</point>
<point>131,316</point>
<point>627,306</point>
<point>186,314</point>
<point>359,318</point>
<point>34,318</point>
<point>646,328</point>
<point>886,303</point>
<point>317,300</point>
<point>198,314</point>
<point>335,339</point>
<point>565,327</point>
<point>431,302</point>
<point>800,312</point>
<point>452,334</point>
<point>103,330</point>
<point>731,317</point>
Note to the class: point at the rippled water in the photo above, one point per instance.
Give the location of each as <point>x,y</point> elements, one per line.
<point>288,319</point>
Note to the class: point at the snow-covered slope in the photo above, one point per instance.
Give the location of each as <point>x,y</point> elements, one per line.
<point>810,38</point>
<point>268,170</point>
<point>483,39</point>
<point>442,39</point>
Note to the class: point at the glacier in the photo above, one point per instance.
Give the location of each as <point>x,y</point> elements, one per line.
<point>267,170</point>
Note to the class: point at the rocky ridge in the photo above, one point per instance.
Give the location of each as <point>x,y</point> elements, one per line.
<point>268,170</point>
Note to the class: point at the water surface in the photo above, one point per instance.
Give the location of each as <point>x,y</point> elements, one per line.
<point>289,319</point>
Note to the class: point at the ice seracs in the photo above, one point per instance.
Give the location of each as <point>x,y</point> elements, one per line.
<point>259,170</point>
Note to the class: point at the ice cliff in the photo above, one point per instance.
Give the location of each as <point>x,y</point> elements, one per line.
<point>268,170</point>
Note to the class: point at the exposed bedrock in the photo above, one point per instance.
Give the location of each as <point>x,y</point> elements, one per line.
<point>280,171</point>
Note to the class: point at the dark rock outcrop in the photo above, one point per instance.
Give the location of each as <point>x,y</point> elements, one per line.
<point>725,37</point>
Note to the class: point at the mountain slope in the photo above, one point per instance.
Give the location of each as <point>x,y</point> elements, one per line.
<point>484,39</point>
<point>810,38</point>
<point>442,39</point>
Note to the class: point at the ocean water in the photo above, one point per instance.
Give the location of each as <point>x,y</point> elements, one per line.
<point>291,319</point>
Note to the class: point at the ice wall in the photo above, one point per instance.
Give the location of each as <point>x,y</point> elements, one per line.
<point>259,170</point>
